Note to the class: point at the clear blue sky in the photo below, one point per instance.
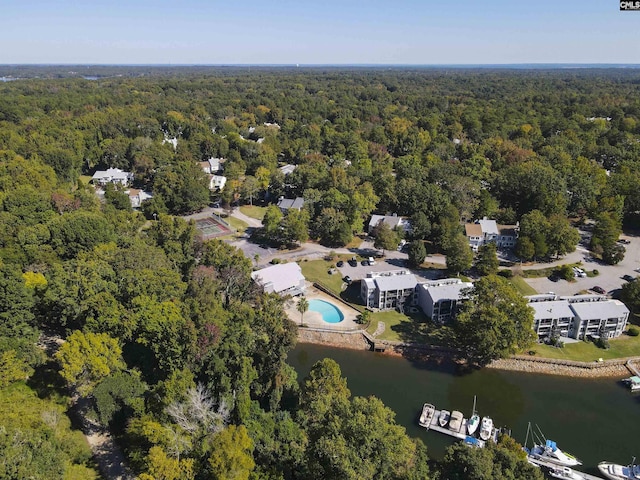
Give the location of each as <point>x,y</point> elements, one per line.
<point>320,31</point>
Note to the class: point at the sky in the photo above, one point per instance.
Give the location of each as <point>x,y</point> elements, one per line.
<point>403,32</point>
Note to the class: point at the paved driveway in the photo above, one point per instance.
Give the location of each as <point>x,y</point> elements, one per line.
<point>609,278</point>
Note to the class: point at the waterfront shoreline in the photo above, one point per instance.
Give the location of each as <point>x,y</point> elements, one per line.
<point>540,365</point>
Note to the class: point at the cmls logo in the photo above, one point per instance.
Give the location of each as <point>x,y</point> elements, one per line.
<point>627,5</point>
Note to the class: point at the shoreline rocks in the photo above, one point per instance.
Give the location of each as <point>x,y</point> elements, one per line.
<point>548,366</point>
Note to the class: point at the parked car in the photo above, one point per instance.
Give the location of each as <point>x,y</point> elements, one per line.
<point>371,261</point>
<point>624,241</point>
<point>579,272</point>
<point>628,278</point>
<point>365,263</point>
<point>554,277</point>
<point>340,263</point>
<point>347,280</point>
<point>353,263</point>
<point>599,290</point>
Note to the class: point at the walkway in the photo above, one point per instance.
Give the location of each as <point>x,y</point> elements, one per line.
<point>107,454</point>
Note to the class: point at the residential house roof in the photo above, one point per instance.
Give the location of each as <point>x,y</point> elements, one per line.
<point>507,230</point>
<point>287,169</point>
<point>280,277</point>
<point>488,226</point>
<point>112,175</point>
<point>473,229</point>
<point>289,203</point>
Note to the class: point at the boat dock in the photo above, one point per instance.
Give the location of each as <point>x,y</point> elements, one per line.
<point>460,433</point>
<point>550,465</point>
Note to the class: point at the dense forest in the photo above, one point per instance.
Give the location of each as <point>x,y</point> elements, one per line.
<point>166,334</point>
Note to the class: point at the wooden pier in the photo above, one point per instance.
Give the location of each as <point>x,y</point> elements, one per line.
<point>460,433</point>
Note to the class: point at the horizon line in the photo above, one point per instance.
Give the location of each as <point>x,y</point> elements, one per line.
<point>301,65</point>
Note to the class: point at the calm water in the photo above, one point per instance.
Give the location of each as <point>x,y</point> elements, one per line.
<point>593,419</point>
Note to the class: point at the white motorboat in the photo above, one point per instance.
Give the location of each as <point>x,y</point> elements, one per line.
<point>486,427</point>
<point>474,421</point>
<point>568,474</point>
<point>613,471</point>
<point>428,411</point>
<point>444,417</point>
<point>551,453</point>
<point>633,383</point>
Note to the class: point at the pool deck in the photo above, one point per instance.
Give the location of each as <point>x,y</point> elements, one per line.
<point>314,319</point>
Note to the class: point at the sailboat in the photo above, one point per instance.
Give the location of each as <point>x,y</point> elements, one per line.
<point>549,451</point>
<point>474,421</point>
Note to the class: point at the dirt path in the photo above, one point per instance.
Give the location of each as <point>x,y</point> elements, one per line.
<point>106,453</point>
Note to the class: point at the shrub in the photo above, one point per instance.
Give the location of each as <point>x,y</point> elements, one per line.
<point>633,331</point>
<point>506,273</point>
<point>602,343</point>
<point>595,272</point>
<point>276,261</point>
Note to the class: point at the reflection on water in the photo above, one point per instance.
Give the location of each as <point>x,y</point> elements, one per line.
<point>593,419</point>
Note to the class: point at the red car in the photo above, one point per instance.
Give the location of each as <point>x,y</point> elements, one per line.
<point>599,290</point>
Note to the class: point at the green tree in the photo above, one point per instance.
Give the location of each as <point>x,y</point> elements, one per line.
<point>295,226</point>
<point>231,457</point>
<point>562,238</point>
<point>525,249</point>
<point>160,466</point>
<point>86,359</point>
<point>271,222</point>
<point>494,321</point>
<point>333,228</point>
<point>250,187</point>
<point>487,261</point>
<point>459,255</point>
<point>79,231</point>
<point>119,396</point>
<point>630,295</point>
<point>302,307</point>
<point>417,253</point>
<point>605,235</point>
<point>386,238</point>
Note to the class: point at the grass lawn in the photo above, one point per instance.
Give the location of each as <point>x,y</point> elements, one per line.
<point>545,272</point>
<point>624,346</point>
<point>239,225</point>
<point>318,271</point>
<point>354,243</point>
<point>85,179</point>
<point>522,286</point>
<point>253,211</point>
<point>410,328</point>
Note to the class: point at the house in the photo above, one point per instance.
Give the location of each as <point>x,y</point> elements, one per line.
<point>286,204</point>
<point>394,221</point>
<point>283,279</point>
<point>287,169</point>
<point>112,175</point>
<point>439,299</point>
<point>486,231</point>
<point>217,182</point>
<point>388,290</point>
<point>136,197</point>
<point>578,316</point>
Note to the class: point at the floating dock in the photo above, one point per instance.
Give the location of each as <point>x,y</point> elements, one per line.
<point>459,432</point>
<point>554,466</point>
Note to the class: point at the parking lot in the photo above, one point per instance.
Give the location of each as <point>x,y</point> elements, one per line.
<point>609,277</point>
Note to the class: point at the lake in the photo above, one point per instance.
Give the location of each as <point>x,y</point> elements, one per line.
<point>594,419</point>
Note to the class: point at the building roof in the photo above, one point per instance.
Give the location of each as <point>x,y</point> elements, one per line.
<point>112,174</point>
<point>287,169</point>
<point>489,226</point>
<point>473,229</point>
<point>392,220</point>
<point>449,291</point>
<point>507,230</point>
<point>288,203</point>
<point>600,310</point>
<point>395,282</point>
<point>551,309</point>
<point>279,277</point>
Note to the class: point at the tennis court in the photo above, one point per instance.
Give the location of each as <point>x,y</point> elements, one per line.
<point>212,227</point>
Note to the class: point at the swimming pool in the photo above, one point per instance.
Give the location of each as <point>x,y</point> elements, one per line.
<point>330,313</point>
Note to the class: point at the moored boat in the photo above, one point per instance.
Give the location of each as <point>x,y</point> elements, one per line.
<point>474,421</point>
<point>486,427</point>
<point>444,417</point>
<point>614,471</point>
<point>455,421</point>
<point>473,442</point>
<point>551,453</point>
<point>428,411</point>
<point>633,383</point>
